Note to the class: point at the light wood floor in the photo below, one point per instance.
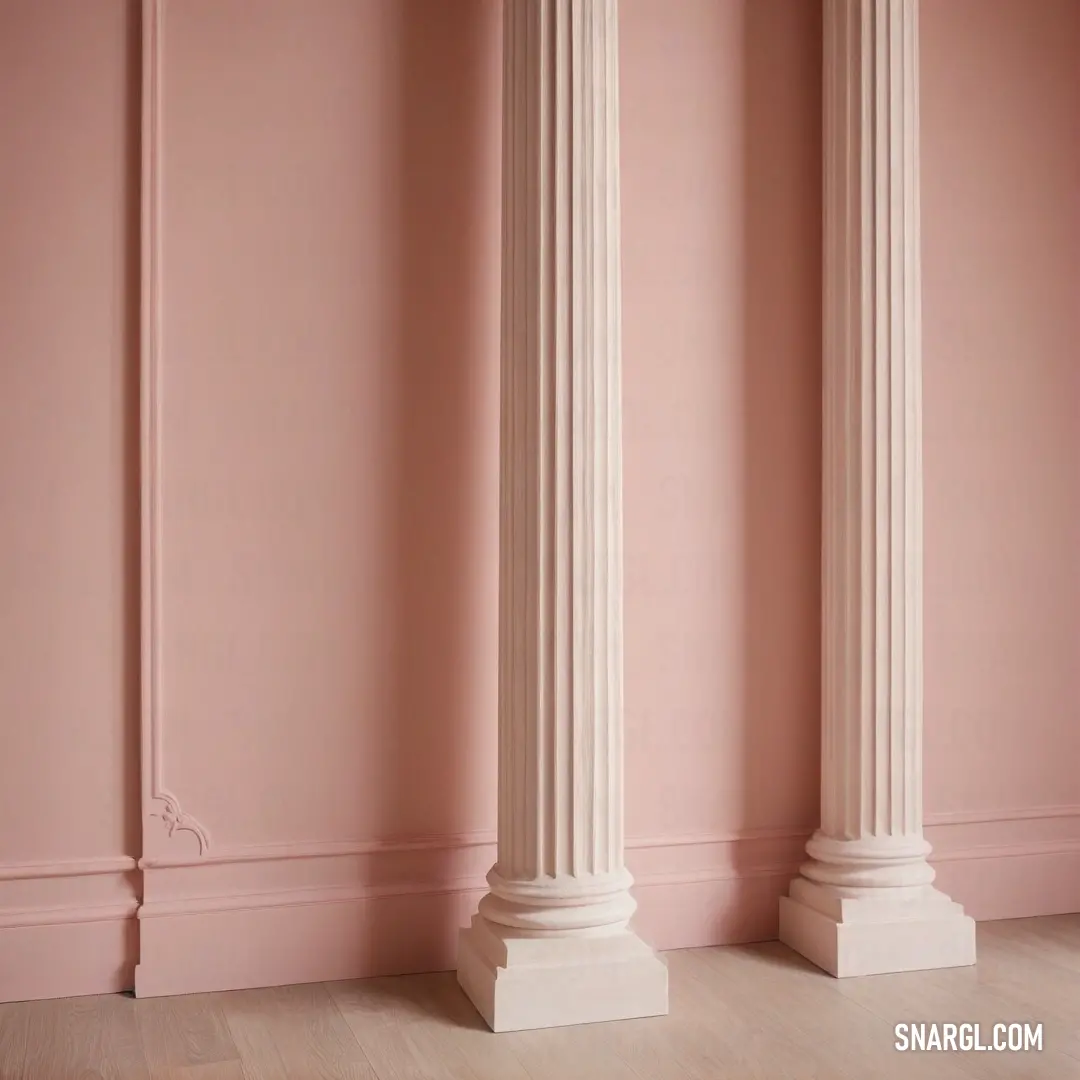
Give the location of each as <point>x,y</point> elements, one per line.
<point>743,1012</point>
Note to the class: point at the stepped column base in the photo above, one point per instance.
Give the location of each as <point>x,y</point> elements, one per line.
<point>522,980</point>
<point>917,930</point>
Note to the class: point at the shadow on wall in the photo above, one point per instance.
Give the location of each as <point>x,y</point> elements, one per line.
<point>446,333</point>
<point>782,432</point>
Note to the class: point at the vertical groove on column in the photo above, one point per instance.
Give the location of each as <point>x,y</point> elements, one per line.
<point>872,538</point>
<point>560,669</point>
<point>914,270</point>
<point>507,434</point>
<point>570,17</point>
<point>533,187</point>
<point>556,130</point>
<point>611,500</point>
<point>613,394</point>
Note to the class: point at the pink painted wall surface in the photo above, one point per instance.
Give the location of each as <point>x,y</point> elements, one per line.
<point>1001,308</point>
<point>1001,194</point>
<point>328,474</point>
<point>69,794</point>
<point>329,432</point>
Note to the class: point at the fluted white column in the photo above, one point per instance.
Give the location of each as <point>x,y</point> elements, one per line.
<point>864,903</point>
<point>551,943</point>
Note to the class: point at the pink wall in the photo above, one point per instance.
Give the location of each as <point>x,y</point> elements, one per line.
<point>327,453</point>
<point>1001,203</point>
<point>69,513</point>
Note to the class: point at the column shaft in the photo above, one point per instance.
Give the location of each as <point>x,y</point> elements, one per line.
<point>560,904</point>
<point>864,902</point>
<point>561,539</point>
<point>872,498</point>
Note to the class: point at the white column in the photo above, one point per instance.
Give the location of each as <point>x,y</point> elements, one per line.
<point>551,944</point>
<point>864,903</point>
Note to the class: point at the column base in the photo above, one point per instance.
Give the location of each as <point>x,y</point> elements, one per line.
<point>519,982</point>
<point>869,936</point>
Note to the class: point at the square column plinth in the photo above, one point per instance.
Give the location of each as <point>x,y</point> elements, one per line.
<point>876,937</point>
<point>520,982</point>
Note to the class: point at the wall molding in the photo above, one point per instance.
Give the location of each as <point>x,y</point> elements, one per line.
<point>1030,849</point>
<point>319,849</point>
<point>330,849</point>
<point>196,943</point>
<point>432,885</point>
<point>254,901</point>
<point>68,868</point>
<point>994,817</point>
<point>460,887</point>
<point>344,894</point>
<point>448,842</point>
<point>733,866</point>
<point>249,901</point>
<point>158,801</point>
<point>23,918</point>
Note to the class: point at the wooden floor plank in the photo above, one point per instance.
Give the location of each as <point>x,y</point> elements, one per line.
<point>64,1034</point>
<point>734,1022</point>
<point>388,1018</point>
<point>291,1031</point>
<point>214,1070</point>
<point>184,1031</point>
<point>14,1020</point>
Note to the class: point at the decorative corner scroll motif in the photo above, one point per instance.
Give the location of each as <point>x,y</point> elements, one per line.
<point>175,820</point>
